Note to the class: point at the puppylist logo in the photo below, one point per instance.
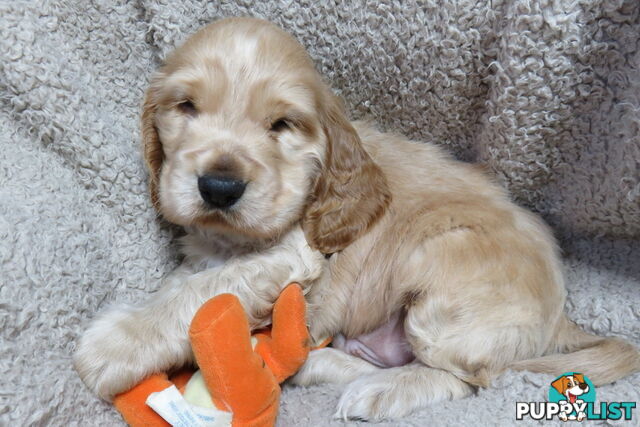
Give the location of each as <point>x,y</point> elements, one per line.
<point>572,397</point>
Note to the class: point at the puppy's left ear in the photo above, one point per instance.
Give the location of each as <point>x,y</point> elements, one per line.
<point>351,193</point>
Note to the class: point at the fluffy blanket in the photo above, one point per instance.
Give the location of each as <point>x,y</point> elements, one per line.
<point>543,92</point>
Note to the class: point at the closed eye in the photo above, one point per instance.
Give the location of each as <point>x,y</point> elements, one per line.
<point>187,107</point>
<point>280,125</point>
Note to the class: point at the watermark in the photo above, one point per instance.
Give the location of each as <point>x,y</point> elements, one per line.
<point>572,397</point>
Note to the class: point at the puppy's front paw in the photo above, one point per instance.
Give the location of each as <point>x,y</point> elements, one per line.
<point>109,355</point>
<point>372,398</point>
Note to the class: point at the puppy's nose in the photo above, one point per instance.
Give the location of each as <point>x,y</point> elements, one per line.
<point>583,386</point>
<point>220,191</point>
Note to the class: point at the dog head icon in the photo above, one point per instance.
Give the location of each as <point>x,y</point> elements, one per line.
<point>571,386</point>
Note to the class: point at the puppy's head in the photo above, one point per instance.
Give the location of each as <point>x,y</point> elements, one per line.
<point>241,134</point>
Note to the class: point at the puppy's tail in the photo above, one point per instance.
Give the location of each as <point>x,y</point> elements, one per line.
<point>603,360</point>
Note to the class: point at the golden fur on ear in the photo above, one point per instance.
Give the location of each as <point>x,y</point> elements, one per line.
<point>151,146</point>
<point>351,192</point>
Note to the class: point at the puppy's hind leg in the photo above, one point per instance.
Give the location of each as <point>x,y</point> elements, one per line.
<point>396,392</point>
<point>329,365</point>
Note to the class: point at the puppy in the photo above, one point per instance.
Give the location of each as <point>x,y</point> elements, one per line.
<point>415,262</point>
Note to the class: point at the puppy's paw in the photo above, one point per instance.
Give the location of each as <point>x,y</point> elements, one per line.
<point>117,352</point>
<point>372,398</point>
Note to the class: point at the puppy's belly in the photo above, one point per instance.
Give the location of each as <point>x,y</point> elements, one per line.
<point>386,346</point>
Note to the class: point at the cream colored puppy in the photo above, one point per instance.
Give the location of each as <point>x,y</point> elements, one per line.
<point>430,279</point>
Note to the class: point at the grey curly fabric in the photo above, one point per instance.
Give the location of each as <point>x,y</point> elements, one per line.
<point>545,93</point>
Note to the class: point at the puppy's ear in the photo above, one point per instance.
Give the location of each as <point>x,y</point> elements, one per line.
<point>351,192</point>
<point>151,146</point>
<point>560,385</point>
<point>579,377</point>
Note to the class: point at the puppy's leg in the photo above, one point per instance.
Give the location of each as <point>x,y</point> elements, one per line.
<point>328,365</point>
<point>126,344</point>
<point>479,302</point>
<point>396,392</point>
<point>464,329</point>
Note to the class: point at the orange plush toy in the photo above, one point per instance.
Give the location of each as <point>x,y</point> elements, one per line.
<point>241,372</point>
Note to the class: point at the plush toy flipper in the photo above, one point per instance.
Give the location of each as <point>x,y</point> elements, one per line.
<point>236,376</point>
<point>286,348</point>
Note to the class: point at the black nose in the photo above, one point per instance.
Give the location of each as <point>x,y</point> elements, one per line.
<point>583,386</point>
<point>220,191</point>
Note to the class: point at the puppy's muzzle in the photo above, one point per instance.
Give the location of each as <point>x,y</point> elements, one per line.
<point>220,191</point>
